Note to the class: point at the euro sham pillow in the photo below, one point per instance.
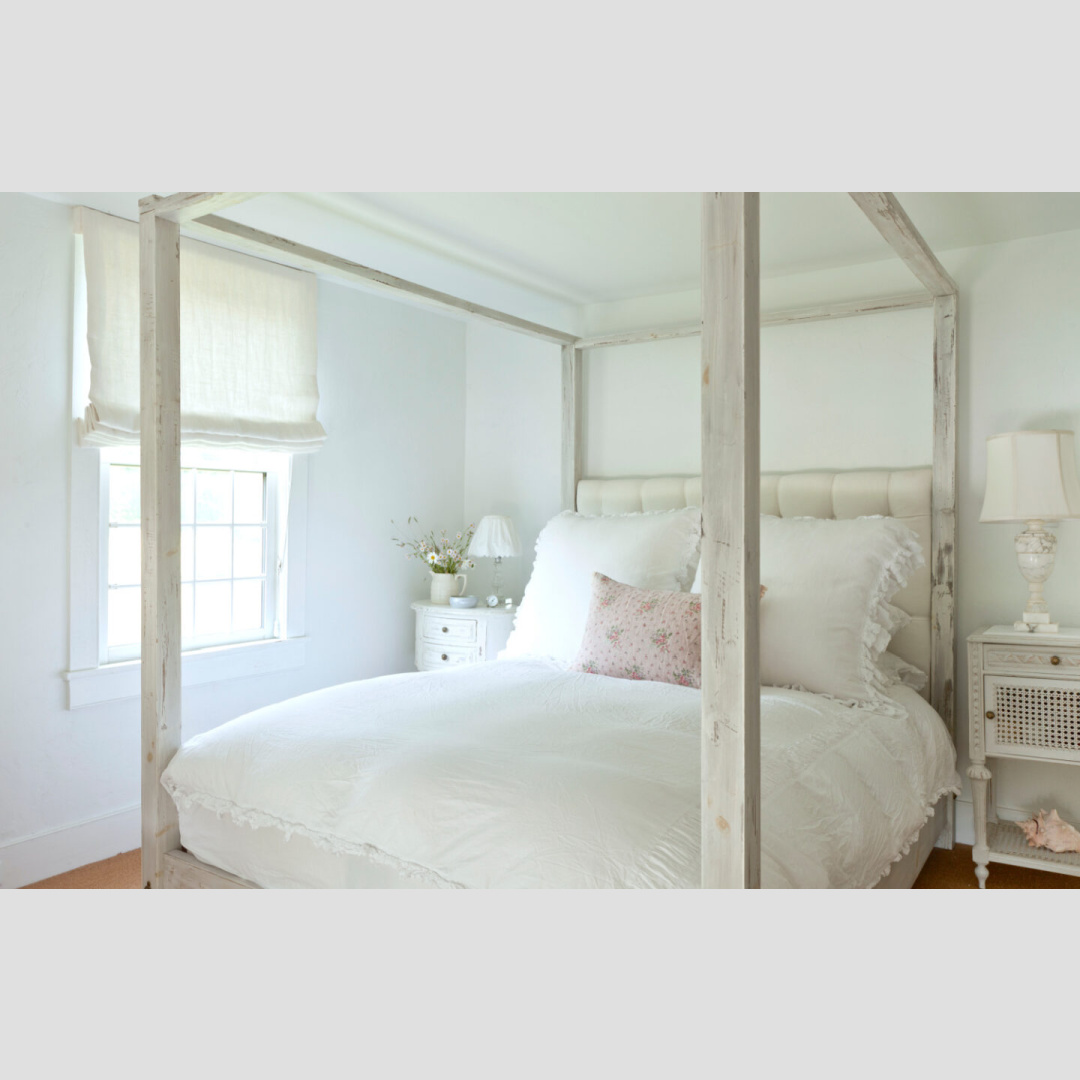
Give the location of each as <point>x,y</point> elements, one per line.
<point>827,619</point>
<point>641,634</point>
<point>647,551</point>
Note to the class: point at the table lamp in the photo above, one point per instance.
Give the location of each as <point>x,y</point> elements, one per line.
<point>495,538</point>
<point>1031,477</point>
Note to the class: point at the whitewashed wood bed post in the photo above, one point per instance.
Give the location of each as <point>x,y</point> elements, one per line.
<point>159,457</point>
<point>572,450</point>
<point>730,510</point>
<point>943,528</point>
<point>888,217</point>
<point>159,474</point>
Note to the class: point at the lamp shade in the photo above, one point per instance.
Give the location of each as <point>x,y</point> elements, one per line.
<point>1031,476</point>
<point>495,537</point>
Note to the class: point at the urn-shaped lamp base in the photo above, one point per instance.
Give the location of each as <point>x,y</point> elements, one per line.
<point>1035,548</point>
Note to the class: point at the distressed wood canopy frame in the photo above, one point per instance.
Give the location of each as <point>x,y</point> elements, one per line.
<point>730,402</point>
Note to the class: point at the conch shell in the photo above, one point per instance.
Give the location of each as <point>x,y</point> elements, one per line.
<point>1049,831</point>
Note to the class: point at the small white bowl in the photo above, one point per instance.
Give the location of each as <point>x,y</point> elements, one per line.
<point>463,601</point>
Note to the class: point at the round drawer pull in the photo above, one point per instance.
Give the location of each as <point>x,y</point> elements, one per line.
<point>989,715</point>
<point>446,629</point>
<point>1055,660</point>
<point>445,657</point>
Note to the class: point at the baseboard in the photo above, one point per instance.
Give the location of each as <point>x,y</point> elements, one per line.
<point>55,851</point>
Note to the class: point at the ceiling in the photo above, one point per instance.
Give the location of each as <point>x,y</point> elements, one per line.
<point>594,247</point>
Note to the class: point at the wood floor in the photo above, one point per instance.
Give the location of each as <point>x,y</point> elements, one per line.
<point>943,870</point>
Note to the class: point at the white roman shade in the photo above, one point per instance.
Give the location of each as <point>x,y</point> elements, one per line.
<point>248,346</point>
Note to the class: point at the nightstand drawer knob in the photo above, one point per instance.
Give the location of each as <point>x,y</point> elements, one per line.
<point>445,657</point>
<point>446,629</point>
<point>1055,660</point>
<point>989,715</point>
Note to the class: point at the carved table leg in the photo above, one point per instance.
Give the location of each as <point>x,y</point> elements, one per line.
<point>980,777</point>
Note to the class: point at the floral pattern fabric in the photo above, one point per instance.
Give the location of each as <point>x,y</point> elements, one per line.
<point>641,634</point>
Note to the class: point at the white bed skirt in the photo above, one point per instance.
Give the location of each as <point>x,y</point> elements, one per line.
<point>297,863</point>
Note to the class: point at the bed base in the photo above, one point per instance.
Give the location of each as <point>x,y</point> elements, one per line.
<point>184,871</point>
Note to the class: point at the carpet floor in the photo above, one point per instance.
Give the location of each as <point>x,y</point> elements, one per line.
<point>943,870</point>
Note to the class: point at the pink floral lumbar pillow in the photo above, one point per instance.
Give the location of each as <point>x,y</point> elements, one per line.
<point>641,634</point>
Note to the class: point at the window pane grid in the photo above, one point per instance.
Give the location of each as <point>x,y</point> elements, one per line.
<point>224,563</point>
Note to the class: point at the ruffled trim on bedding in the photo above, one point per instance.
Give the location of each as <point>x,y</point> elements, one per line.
<point>929,809</point>
<point>258,819</point>
<point>881,622</point>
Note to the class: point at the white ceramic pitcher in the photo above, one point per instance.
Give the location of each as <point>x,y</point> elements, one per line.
<point>443,586</point>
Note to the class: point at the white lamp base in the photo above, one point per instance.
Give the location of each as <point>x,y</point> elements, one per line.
<point>1035,548</point>
<point>1036,627</point>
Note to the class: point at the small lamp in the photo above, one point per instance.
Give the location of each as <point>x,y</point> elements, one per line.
<point>495,538</point>
<point>1031,476</point>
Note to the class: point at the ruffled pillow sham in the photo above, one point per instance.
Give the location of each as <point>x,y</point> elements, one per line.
<point>828,617</point>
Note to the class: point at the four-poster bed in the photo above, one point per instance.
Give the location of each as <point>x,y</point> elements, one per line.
<point>730,496</point>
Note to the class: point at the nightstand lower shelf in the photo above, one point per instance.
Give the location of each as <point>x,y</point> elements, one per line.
<point>1009,845</point>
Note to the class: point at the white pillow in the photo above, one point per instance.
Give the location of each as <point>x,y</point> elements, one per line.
<point>826,618</point>
<point>893,669</point>
<point>647,551</point>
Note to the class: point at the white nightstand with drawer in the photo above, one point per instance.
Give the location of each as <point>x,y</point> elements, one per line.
<point>446,635</point>
<point>1025,704</point>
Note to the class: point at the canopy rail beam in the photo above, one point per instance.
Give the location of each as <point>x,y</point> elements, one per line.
<point>185,206</point>
<point>888,217</point>
<point>307,258</point>
<point>844,309</point>
<point>731,499</point>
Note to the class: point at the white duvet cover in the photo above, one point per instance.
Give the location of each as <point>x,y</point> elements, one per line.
<point>519,774</point>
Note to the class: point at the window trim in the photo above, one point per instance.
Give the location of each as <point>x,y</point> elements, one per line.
<point>90,678</point>
<point>122,680</point>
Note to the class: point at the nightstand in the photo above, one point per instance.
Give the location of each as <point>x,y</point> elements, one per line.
<point>1025,704</point>
<point>446,636</point>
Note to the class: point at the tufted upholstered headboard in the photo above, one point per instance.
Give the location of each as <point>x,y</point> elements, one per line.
<point>898,493</point>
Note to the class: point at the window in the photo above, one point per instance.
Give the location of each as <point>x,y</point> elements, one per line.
<point>228,551</point>
<point>230,566</point>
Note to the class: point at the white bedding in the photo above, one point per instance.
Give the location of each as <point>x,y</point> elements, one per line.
<point>519,774</point>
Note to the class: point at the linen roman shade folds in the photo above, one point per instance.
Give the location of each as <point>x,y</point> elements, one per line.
<point>248,347</point>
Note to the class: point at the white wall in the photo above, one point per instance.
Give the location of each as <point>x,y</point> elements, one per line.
<point>512,442</point>
<point>1019,339</point>
<point>392,383</point>
<point>840,394</point>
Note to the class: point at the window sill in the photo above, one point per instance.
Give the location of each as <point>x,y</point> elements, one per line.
<point>118,682</point>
